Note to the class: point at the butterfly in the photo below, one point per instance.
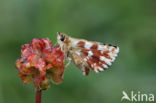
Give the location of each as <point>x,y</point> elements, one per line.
<point>87,55</point>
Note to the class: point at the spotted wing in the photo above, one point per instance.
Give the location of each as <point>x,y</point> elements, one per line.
<point>94,56</point>
<point>79,62</point>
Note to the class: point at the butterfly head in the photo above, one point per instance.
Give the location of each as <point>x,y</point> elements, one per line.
<point>62,38</point>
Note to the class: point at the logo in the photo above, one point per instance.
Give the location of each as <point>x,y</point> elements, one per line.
<point>137,97</point>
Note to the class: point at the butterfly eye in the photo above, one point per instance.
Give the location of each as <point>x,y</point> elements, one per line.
<point>62,38</point>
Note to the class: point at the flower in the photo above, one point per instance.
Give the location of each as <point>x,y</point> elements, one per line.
<point>40,62</point>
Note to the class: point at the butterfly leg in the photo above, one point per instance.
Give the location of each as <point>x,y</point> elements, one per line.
<point>55,44</point>
<point>69,62</point>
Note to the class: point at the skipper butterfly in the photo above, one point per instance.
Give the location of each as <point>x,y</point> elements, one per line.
<point>87,55</point>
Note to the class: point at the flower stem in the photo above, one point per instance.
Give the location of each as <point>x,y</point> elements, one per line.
<point>38,96</point>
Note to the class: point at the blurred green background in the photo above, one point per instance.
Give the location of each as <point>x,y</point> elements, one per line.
<point>130,24</point>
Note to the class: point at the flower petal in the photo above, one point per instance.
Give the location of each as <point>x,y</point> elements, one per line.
<point>56,74</point>
<point>26,50</point>
<point>26,78</point>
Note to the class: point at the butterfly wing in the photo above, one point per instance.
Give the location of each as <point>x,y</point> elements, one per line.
<point>79,62</point>
<point>93,55</point>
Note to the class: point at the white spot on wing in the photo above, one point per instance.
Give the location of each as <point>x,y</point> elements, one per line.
<point>96,70</point>
<point>108,61</point>
<point>110,48</point>
<point>117,50</point>
<point>88,45</point>
<point>102,51</point>
<point>101,69</point>
<point>105,66</point>
<point>85,59</point>
<point>102,58</point>
<point>115,55</point>
<point>110,54</point>
<point>113,58</point>
<point>90,53</point>
<point>102,47</point>
<point>75,43</point>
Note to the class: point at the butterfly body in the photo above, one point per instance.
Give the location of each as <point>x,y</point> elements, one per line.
<point>87,55</point>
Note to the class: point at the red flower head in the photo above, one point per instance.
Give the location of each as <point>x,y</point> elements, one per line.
<point>40,62</point>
